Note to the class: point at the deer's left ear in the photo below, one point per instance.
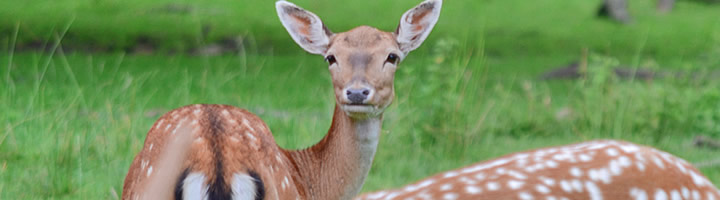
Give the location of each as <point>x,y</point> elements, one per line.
<point>416,24</point>
<point>304,27</point>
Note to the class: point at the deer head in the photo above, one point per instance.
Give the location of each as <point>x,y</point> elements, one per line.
<point>362,61</point>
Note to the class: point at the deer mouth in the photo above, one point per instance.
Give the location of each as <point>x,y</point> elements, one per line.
<point>358,108</point>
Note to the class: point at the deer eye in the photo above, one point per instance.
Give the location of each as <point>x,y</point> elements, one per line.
<point>392,58</point>
<point>330,60</point>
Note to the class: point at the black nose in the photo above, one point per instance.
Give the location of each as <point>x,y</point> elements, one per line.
<point>357,96</point>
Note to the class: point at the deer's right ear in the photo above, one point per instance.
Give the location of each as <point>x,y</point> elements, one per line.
<point>304,27</point>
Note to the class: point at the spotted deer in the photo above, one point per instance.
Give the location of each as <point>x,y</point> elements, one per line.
<point>223,152</point>
<point>594,170</point>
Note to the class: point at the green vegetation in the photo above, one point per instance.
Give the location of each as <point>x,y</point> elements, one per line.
<point>71,123</point>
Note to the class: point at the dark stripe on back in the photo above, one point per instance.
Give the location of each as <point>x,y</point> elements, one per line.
<point>259,187</point>
<point>179,184</point>
<point>217,189</point>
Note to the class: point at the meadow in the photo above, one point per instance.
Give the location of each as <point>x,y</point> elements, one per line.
<point>76,102</point>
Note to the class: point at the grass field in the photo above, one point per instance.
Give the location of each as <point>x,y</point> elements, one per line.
<point>72,122</point>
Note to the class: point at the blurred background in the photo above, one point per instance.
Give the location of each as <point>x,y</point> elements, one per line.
<point>83,81</point>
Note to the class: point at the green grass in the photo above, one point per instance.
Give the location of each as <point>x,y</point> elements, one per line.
<point>515,27</point>
<point>71,123</point>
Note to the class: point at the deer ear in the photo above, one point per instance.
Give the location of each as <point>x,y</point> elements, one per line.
<point>304,27</point>
<point>416,24</point>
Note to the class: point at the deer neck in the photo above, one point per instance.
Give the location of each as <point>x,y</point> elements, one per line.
<point>336,167</point>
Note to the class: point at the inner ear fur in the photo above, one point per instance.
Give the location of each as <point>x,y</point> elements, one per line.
<point>306,28</point>
<point>416,24</point>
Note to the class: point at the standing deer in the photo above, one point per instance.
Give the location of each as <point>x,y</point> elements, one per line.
<point>595,170</point>
<point>223,152</point>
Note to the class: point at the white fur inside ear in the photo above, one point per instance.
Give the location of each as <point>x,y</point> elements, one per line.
<point>416,24</point>
<point>304,27</point>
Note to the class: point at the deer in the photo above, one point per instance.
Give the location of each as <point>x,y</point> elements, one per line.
<point>207,151</point>
<point>592,170</point>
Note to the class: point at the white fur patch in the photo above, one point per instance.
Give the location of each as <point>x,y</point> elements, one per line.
<point>243,187</point>
<point>194,187</point>
<point>638,194</point>
<point>593,190</point>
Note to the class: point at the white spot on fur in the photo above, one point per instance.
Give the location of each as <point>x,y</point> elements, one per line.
<point>250,135</point>
<point>624,161</point>
<point>547,181</point>
<point>640,166</point>
<point>615,168</point>
<point>542,189</point>
<point>516,174</point>
<point>446,187</point>
<point>392,195</point>
<point>492,186</point>
<point>658,162</point>
<point>685,192</point>
<point>246,123</point>
<point>160,123</point>
<point>600,175</point>
<point>584,157</point>
<point>467,180</point>
<point>482,166</point>
<point>612,152</point>
<point>638,194</point>
<point>472,189</point>
<point>243,187</point>
<point>286,181</point>
<point>551,164</point>
<point>513,184</point>
<point>695,194</point>
<point>629,148</point>
<point>450,196</point>
<point>426,183</point>
<point>595,193</point>
<point>149,171</point>
<point>525,196</point>
<point>710,195</point>
<point>377,195</point>
<point>675,195</point>
<point>450,174</point>
<point>577,185</point>
<point>565,185</point>
<point>660,194</point>
<point>151,147</point>
<point>277,157</point>
<point>576,172</point>
<point>194,186</point>
<point>699,180</point>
